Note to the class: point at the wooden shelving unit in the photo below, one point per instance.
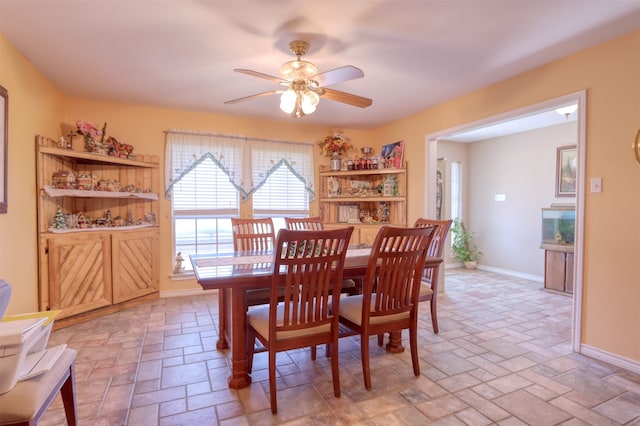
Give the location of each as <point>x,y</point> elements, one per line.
<point>91,271</point>
<point>365,199</point>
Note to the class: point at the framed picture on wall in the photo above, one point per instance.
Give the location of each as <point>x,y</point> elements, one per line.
<point>566,171</point>
<point>4,135</point>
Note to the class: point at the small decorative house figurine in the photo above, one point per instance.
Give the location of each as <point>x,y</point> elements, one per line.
<point>85,181</point>
<point>63,179</point>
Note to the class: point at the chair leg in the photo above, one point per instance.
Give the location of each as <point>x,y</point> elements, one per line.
<point>366,372</point>
<point>335,370</point>
<point>67,391</point>
<point>313,353</point>
<point>434,315</point>
<point>380,339</point>
<point>251,348</point>
<point>272,381</point>
<point>413,342</point>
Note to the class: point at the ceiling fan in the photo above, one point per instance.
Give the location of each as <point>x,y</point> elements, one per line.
<point>306,85</point>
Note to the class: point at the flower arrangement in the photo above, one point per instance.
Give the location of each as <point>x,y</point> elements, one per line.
<point>92,136</point>
<point>88,130</point>
<point>335,143</point>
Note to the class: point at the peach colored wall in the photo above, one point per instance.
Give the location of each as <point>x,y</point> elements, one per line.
<point>34,104</point>
<point>609,73</point>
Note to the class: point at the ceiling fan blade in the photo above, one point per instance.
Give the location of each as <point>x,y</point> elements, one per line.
<point>346,98</point>
<point>338,75</point>
<point>277,80</point>
<point>258,95</point>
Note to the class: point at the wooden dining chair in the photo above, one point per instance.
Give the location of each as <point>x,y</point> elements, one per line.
<point>256,235</point>
<point>347,286</point>
<point>304,223</point>
<point>389,299</point>
<point>311,265</point>
<point>429,287</point>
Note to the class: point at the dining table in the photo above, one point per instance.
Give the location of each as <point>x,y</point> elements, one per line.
<point>233,273</point>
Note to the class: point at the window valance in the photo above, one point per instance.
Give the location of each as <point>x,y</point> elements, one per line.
<point>248,162</point>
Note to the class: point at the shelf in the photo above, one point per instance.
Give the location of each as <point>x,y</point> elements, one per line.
<point>101,228</point>
<point>360,199</point>
<point>79,193</point>
<point>93,158</point>
<point>363,172</point>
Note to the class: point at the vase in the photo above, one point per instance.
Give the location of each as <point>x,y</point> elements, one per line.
<point>471,264</point>
<point>335,163</point>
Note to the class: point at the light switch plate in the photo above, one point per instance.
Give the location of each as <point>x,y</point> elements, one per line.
<point>596,184</point>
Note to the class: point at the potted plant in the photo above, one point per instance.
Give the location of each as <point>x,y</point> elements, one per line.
<point>463,248</point>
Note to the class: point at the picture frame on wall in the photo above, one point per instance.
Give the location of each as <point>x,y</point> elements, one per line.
<point>566,171</point>
<point>4,143</point>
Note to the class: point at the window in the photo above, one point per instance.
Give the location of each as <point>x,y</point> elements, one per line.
<point>282,195</point>
<point>209,175</point>
<point>203,201</point>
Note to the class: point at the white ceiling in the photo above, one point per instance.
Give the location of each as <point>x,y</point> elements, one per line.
<point>415,54</point>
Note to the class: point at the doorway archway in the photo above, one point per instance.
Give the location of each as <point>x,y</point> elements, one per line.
<point>431,141</point>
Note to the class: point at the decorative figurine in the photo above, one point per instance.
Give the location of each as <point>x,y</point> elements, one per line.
<point>383,215</point>
<point>58,219</point>
<point>178,268</point>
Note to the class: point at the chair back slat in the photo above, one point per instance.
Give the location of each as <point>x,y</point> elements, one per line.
<point>311,265</point>
<point>252,234</point>
<point>392,282</point>
<point>304,223</point>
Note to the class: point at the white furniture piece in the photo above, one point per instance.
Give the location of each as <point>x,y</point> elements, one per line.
<point>29,399</point>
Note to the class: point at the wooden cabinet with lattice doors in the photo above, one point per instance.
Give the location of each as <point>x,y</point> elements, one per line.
<point>97,231</point>
<point>366,199</point>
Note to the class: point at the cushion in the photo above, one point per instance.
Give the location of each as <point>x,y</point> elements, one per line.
<point>258,318</point>
<point>351,309</point>
<point>425,289</point>
<point>23,401</point>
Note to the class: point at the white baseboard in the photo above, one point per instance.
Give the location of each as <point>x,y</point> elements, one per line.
<point>508,272</point>
<point>516,274</point>
<point>185,292</point>
<point>617,360</point>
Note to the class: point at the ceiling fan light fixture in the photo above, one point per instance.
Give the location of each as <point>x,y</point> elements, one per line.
<point>309,102</point>
<point>306,85</point>
<point>297,70</point>
<point>288,101</point>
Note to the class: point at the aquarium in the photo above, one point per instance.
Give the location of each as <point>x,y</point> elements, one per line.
<point>558,225</point>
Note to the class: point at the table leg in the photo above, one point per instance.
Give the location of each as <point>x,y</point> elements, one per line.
<point>240,377</point>
<point>223,319</point>
<point>395,342</point>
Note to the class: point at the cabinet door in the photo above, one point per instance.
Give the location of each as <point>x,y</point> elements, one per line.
<point>569,273</point>
<point>79,268</point>
<point>135,260</point>
<point>554,274</point>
